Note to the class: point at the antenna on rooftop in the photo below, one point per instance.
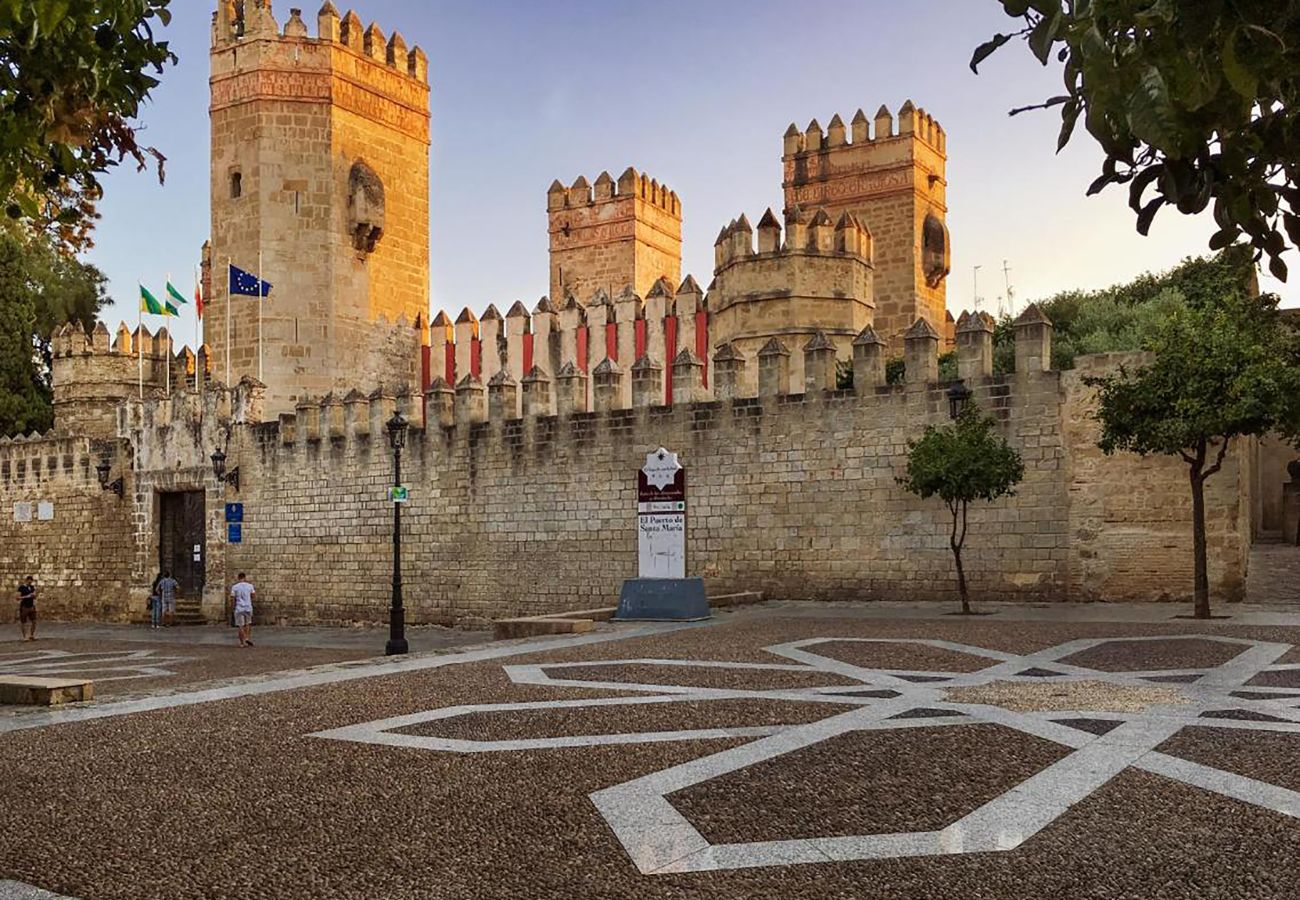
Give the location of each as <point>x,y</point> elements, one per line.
<point>1008,305</point>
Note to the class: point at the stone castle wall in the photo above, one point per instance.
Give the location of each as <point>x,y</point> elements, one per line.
<point>307,123</point>
<point>82,555</point>
<point>892,177</point>
<point>609,234</point>
<point>790,493</point>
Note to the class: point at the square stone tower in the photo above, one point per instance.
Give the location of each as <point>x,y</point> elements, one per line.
<point>619,234</point>
<point>320,164</point>
<point>893,181</point>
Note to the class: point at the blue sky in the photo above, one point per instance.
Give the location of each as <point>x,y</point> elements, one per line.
<point>696,94</point>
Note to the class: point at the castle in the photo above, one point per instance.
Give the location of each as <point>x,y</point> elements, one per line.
<point>527,425</point>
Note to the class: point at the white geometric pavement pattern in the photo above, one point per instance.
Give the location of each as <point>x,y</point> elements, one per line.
<point>122,665</point>
<point>660,840</point>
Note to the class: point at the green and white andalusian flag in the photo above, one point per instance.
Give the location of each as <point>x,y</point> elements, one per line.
<point>173,309</point>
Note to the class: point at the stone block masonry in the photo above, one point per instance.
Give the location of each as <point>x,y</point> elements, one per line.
<point>792,494</point>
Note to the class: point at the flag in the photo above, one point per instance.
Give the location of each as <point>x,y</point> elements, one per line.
<point>173,309</point>
<point>198,295</point>
<point>174,294</point>
<point>247,284</point>
<point>149,303</point>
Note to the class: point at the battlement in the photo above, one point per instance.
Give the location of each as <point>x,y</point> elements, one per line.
<point>42,461</point>
<point>912,122</point>
<point>612,233</point>
<point>630,185</point>
<point>235,22</point>
<point>92,373</point>
<point>489,393</point>
<point>805,234</point>
<point>890,174</point>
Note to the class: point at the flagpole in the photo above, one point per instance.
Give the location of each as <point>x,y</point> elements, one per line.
<point>168,362</point>
<point>260,298</point>
<point>139,333</point>
<point>228,322</point>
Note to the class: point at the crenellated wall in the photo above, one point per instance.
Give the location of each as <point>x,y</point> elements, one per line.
<point>522,495</point>
<point>92,373</point>
<point>890,174</point>
<point>81,551</point>
<point>319,184</point>
<point>613,233</point>
<point>817,279</point>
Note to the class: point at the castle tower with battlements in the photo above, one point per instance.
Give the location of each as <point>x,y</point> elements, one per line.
<point>813,282</point>
<point>320,169</point>
<point>891,177</point>
<point>612,234</point>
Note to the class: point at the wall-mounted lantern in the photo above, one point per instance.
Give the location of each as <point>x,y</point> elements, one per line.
<point>958,396</point>
<point>103,470</point>
<point>219,469</point>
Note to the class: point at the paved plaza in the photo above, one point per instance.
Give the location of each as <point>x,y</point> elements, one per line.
<point>790,750</point>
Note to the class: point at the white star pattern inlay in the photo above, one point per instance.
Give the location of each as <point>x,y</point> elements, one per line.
<point>659,839</point>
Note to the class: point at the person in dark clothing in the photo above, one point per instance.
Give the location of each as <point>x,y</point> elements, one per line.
<point>27,609</point>
<point>155,603</point>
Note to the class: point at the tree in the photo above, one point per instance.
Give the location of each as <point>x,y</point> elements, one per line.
<point>1221,370</point>
<point>1196,101</point>
<point>962,462</point>
<point>1127,316</point>
<point>73,74</point>
<point>40,288</point>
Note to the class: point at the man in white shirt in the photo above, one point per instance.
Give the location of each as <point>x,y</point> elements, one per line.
<point>242,593</point>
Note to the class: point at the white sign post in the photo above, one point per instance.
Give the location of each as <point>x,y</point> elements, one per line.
<point>661,517</point>
<point>662,590</point>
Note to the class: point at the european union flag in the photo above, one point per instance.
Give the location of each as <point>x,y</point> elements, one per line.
<point>247,284</point>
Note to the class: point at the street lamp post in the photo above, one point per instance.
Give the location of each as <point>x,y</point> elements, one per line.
<point>397,427</point>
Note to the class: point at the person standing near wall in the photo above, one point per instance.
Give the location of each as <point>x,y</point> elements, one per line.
<point>167,593</point>
<point>242,593</point>
<point>27,609</point>
<point>155,602</point>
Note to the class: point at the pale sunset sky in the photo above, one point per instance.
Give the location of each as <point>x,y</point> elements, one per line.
<point>696,94</point>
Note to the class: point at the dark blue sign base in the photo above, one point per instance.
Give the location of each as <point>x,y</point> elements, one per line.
<point>663,600</point>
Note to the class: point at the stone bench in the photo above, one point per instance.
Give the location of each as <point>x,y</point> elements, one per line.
<point>31,691</point>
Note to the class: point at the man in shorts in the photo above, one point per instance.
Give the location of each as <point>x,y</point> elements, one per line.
<point>167,587</point>
<point>242,593</point>
<point>27,609</point>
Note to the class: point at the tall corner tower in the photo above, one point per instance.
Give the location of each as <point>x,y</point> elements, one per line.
<point>612,234</point>
<point>320,169</point>
<point>894,182</point>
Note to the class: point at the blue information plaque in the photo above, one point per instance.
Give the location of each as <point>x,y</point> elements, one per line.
<point>234,533</point>
<point>234,512</point>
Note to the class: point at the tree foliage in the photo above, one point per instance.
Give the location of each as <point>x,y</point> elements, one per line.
<point>1194,102</point>
<point>73,76</point>
<point>961,463</point>
<point>41,287</point>
<point>1129,316</point>
<point>1222,369</point>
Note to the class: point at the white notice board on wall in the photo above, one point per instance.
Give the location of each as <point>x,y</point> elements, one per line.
<point>45,510</point>
<point>22,512</point>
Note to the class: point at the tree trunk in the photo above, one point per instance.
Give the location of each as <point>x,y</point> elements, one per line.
<point>956,542</point>
<point>1201,579</point>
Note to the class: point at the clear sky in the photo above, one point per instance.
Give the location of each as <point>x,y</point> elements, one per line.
<point>696,93</point>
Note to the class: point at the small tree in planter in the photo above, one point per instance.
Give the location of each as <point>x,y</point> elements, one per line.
<point>965,461</point>
<point>1226,368</point>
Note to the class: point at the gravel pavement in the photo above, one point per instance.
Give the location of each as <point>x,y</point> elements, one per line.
<point>238,798</point>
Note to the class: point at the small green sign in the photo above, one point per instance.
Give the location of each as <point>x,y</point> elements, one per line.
<point>399,494</point>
